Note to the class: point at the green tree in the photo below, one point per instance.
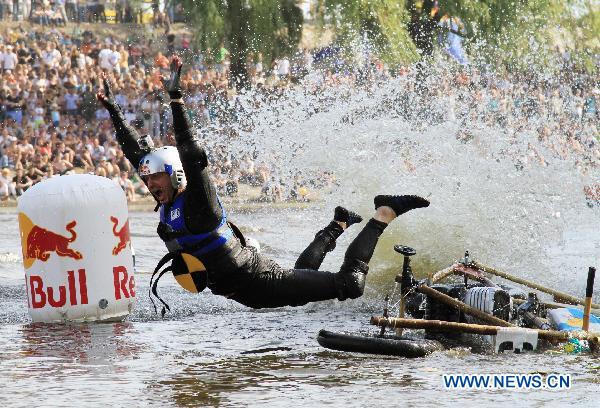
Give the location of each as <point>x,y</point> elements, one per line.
<point>516,33</point>
<point>270,27</point>
<point>579,34</point>
<point>383,23</point>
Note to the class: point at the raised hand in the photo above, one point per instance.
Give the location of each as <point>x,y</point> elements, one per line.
<point>171,84</point>
<point>106,96</point>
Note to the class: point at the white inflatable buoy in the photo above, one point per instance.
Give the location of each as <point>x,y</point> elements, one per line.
<point>76,250</point>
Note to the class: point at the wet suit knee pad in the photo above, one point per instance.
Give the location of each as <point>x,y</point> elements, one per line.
<point>328,238</point>
<point>350,280</point>
<point>329,235</point>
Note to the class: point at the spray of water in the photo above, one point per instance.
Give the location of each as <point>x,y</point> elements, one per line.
<point>488,191</point>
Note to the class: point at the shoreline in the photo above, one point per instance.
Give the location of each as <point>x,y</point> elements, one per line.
<point>242,204</point>
<point>247,199</point>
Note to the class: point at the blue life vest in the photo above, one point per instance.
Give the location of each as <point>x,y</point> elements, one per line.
<point>179,238</point>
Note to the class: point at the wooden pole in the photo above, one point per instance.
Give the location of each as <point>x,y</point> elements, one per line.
<point>435,325</point>
<point>463,307</point>
<point>442,326</point>
<point>401,314</point>
<point>532,285</point>
<point>460,269</point>
<point>589,291</point>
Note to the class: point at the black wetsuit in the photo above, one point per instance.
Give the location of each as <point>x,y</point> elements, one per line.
<point>241,273</point>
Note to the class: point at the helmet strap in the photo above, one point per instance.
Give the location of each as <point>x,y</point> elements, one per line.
<point>157,203</point>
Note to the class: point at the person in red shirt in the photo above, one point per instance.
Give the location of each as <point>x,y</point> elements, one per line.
<point>161,61</point>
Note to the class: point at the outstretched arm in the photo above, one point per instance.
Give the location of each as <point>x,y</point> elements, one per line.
<point>182,126</point>
<point>127,136</point>
<point>205,211</point>
<point>191,152</point>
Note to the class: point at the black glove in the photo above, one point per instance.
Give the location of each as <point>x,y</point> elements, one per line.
<point>107,98</point>
<point>171,84</point>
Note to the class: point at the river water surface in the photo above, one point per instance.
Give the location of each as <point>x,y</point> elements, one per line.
<point>212,352</point>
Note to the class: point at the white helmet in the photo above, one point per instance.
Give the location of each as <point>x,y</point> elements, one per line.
<point>164,159</point>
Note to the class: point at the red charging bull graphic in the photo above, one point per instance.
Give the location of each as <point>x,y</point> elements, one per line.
<point>38,243</point>
<point>122,234</point>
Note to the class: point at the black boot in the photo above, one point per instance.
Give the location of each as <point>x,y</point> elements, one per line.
<point>350,280</point>
<point>349,217</point>
<point>400,203</point>
<point>329,235</point>
<point>333,231</point>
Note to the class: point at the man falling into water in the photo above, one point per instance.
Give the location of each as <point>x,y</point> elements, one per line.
<point>193,223</point>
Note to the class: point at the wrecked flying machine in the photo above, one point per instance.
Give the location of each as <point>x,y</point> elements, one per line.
<point>507,317</point>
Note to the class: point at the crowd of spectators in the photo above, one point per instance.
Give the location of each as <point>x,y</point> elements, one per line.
<point>56,13</point>
<point>51,124</point>
<point>564,115</point>
<point>548,119</point>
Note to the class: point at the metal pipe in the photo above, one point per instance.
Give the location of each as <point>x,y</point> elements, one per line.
<point>474,274</point>
<point>401,315</point>
<point>405,280</point>
<point>385,314</point>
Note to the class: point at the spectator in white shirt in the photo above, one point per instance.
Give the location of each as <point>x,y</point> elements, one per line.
<point>71,102</point>
<point>105,58</point>
<point>283,68</point>
<point>51,56</point>
<point>115,59</point>
<point>96,150</point>
<point>83,60</point>
<point>9,62</point>
<point>7,187</point>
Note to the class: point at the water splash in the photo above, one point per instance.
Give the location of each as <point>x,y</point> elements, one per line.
<point>488,191</point>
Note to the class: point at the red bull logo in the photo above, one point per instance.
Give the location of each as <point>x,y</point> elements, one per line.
<point>39,294</point>
<point>58,289</point>
<point>75,290</point>
<point>144,170</point>
<point>38,243</point>
<point>123,282</point>
<point>122,234</point>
